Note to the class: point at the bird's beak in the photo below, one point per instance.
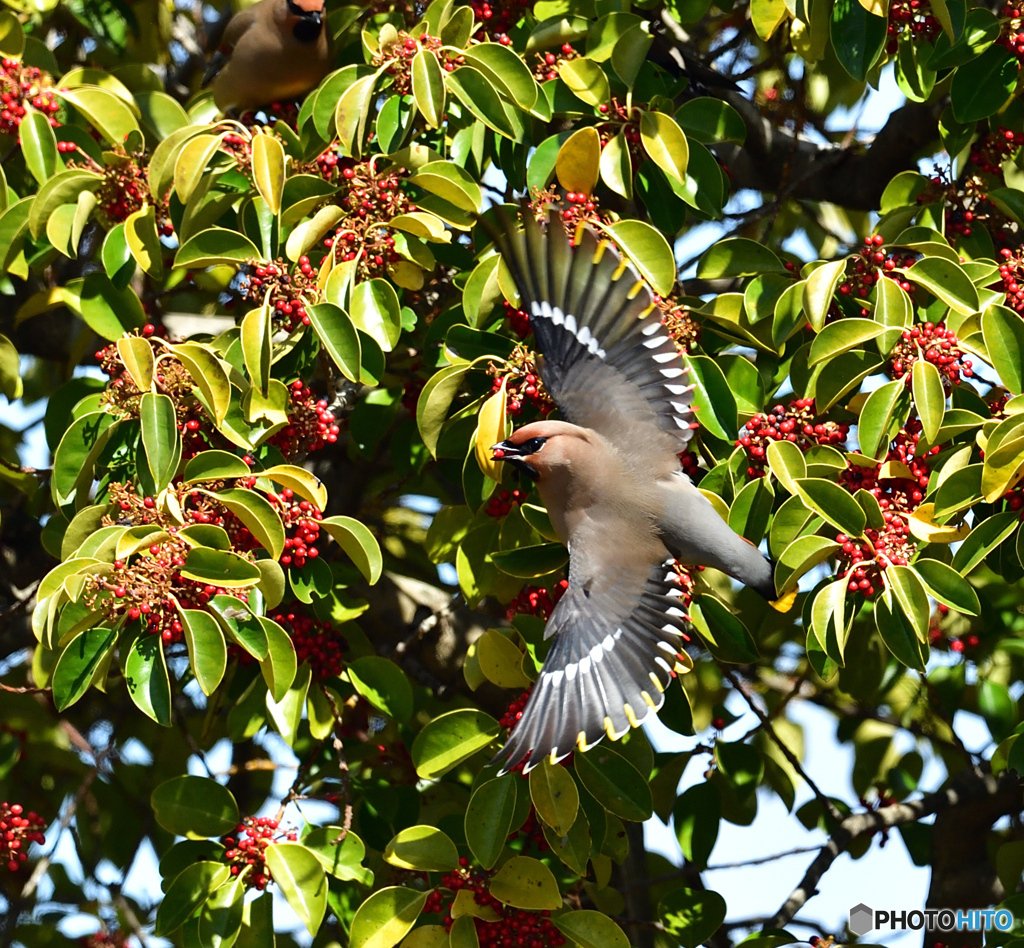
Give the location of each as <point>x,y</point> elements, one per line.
<point>505,451</point>
<point>316,17</point>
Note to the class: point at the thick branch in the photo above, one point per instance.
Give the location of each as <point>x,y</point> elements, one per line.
<point>996,795</point>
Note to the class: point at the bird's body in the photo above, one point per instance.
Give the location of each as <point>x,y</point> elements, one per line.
<point>273,50</point>
<point>610,477</point>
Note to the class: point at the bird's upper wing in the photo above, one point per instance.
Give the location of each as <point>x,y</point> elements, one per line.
<point>608,362</point>
<point>619,630</point>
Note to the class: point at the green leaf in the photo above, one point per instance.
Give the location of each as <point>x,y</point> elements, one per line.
<point>38,146</point>
<point>190,889</point>
<point>357,541</point>
<point>221,918</point>
<point>384,685</point>
<point>1003,331</point>
<point>428,87</point>
<point>929,397</point>
<point>280,665</point>
<point>710,121</point>
<point>489,818</point>
<point>255,339</point>
<point>473,89</point>
<point>666,143</point>
<point>506,71</point>
<point>693,916</point>
<point>947,281</point>
<point>108,311</point>
<point>338,335</point>
<point>616,167</point>
<point>77,664</point>
<point>451,738</point>
<point>376,311</point>
<point>819,289</point>
<point>107,113</point>
<point>982,85</point>
<point>213,246</point>
<point>857,37</point>
<point>352,111</point>
<point>195,807</point>
<point>752,508</point>
<point>840,336</point>
<point>716,404</point>
<point>258,514</point>
<point>696,816</point>
<point>579,160</point>
<point>340,852</point>
<point>735,257</point>
<point>531,562</point>
<point>910,593</point>
<point>386,917</point>
<point>787,463</point>
<point>833,503</point>
<point>219,568</point>
<point>451,183</point>
<point>145,674</point>
<point>884,411</point>
<point>144,241</point>
<point>160,437</point>
<point>214,466</point>
<point>554,796</point>
<point>726,637</point>
<point>287,713</point>
<point>268,169</point>
<point>590,929</point>
<point>526,883</point>
<point>12,36</point>
<point>207,650</point>
<point>423,848</point>
<point>302,881</point>
<point>948,586</point>
<point>585,79</point>
<point>983,539</point>
<point>649,251</point>
<point>615,783</point>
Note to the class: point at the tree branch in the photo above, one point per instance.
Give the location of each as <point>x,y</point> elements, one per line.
<point>1001,795</point>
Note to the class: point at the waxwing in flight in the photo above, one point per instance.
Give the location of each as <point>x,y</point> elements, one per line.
<point>610,476</point>
<point>273,50</point>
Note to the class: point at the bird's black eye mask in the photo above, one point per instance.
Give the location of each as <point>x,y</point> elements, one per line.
<point>310,24</point>
<point>516,455</point>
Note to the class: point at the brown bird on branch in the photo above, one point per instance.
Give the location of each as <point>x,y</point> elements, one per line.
<point>273,50</point>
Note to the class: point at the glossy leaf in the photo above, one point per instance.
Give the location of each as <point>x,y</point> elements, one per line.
<point>385,917</point>
<point>302,881</point>
<point>196,807</point>
<point>526,883</point>
<point>489,818</point>
<point>450,739</point>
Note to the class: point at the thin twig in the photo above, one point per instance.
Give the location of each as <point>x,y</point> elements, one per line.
<point>827,805</point>
<point>761,860</point>
<point>339,749</point>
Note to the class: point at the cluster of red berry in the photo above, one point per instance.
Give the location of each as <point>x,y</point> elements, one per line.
<point>1012,36</point>
<point>500,505</point>
<point>518,319</point>
<point>316,643</point>
<point>17,830</point>
<point>1011,272</point>
<point>862,561</point>
<point>990,151</point>
<point>523,385</point>
<point>536,600</point>
<point>911,20</point>
<point>690,464</point>
<point>574,209</point>
<point>245,852</point>
<point>625,119</point>
<point>22,87</point>
<point>499,17</point>
<point>372,200</point>
<point>105,938</point>
<point>681,324</point>
<point>514,711</point>
<point>513,928</point>
<point>794,424</point>
<point>311,424</point>
<point>289,291</point>
<point>396,58</point>
<point>906,472</point>
<point>300,517</point>
<point>936,344</point>
<point>874,263</point>
<point>125,189</point>
<point>546,64</point>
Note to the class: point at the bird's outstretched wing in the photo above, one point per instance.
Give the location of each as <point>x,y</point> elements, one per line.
<point>607,360</point>
<point>620,631</point>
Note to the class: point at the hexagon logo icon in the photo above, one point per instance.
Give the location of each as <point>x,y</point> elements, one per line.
<point>862,919</point>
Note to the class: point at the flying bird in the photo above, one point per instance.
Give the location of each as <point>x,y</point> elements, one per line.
<point>610,476</point>
<point>273,50</point>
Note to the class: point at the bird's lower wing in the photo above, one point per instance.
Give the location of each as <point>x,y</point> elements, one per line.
<point>618,641</point>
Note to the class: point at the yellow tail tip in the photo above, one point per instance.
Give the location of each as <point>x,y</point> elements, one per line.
<point>784,603</point>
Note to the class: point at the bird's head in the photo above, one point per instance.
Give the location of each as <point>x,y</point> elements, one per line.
<point>310,18</point>
<point>540,448</point>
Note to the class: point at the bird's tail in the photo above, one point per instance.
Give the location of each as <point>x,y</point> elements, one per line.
<point>602,676</point>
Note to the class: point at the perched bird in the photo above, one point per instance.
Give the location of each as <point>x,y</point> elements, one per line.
<point>610,476</point>
<point>275,49</point>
